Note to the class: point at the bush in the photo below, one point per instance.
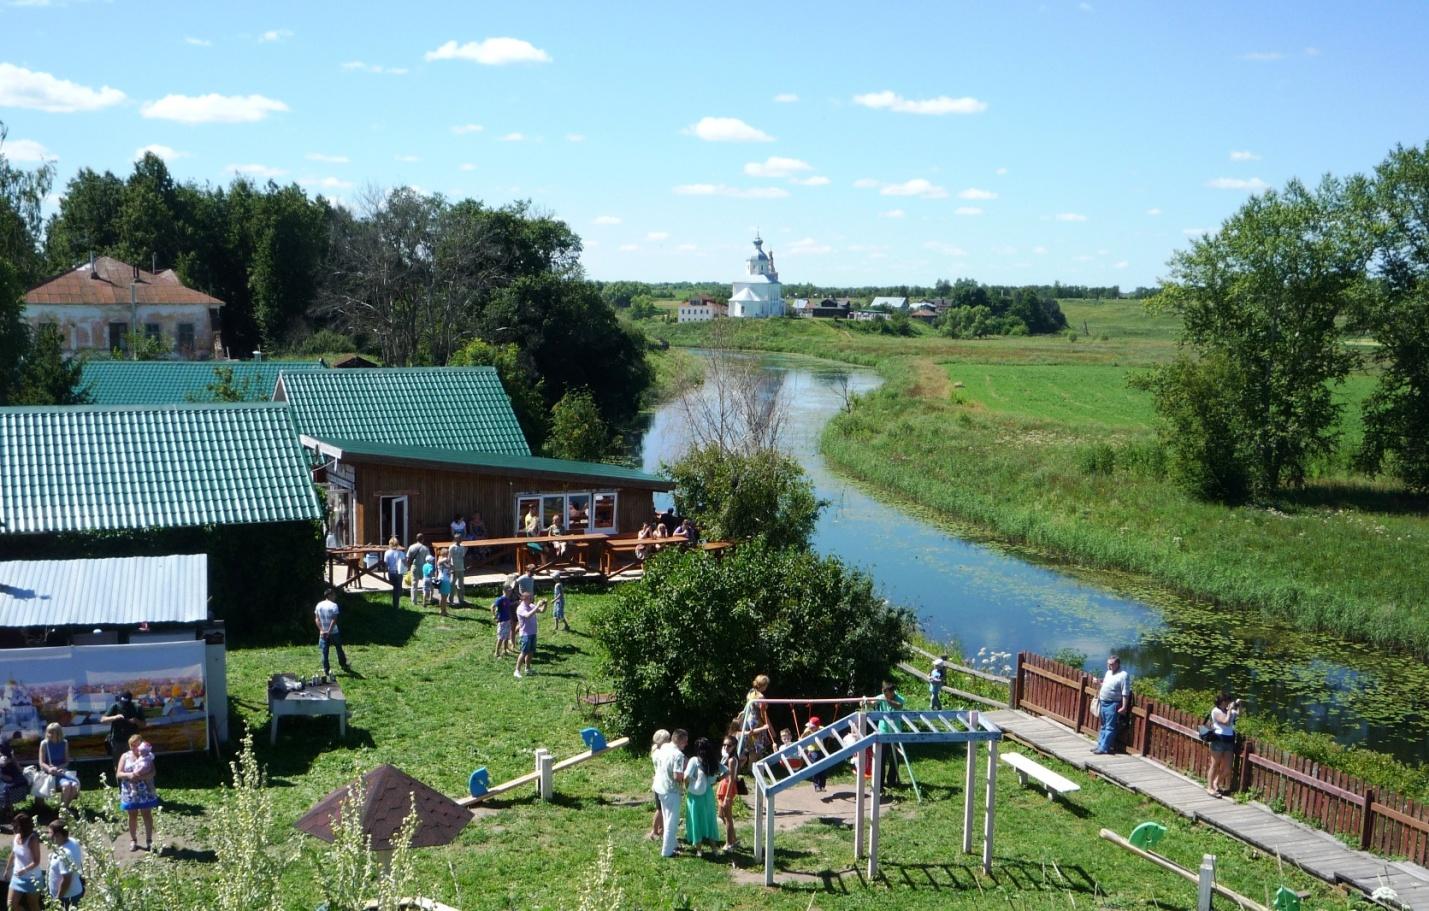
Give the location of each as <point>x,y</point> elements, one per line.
<point>683,643</point>
<point>326,341</point>
<point>737,496</point>
<point>1098,458</point>
<point>1201,426</point>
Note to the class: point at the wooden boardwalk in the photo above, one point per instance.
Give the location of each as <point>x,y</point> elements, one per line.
<point>1315,852</point>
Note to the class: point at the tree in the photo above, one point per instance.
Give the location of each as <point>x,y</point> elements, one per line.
<point>1201,428</point>
<point>743,495</point>
<point>817,628</point>
<point>47,377</point>
<point>225,387</point>
<point>620,294</point>
<point>578,432</point>
<point>87,221</point>
<point>1266,293</point>
<point>522,387</point>
<point>22,194</point>
<point>1396,314</point>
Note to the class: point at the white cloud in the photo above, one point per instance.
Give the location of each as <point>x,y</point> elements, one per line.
<point>712,189</point>
<point>1040,250</point>
<point>1120,264</point>
<point>212,108</point>
<point>1312,52</point>
<point>467,166</point>
<point>330,183</point>
<point>1084,258</point>
<point>727,129</point>
<point>975,193</point>
<point>409,159</point>
<point>575,137</point>
<point>463,129</point>
<point>607,219</point>
<point>1244,155</point>
<point>512,137</point>
<point>807,246</point>
<point>327,159</point>
<point>915,187</point>
<point>275,34</point>
<point>364,67</point>
<point>686,248</point>
<point>1069,216</point>
<point>22,88</point>
<point>786,98</point>
<point>255,170</point>
<point>775,166</point>
<point>967,210</point>
<point>1195,232</point>
<point>1084,7</point>
<point>1000,172</point>
<point>1253,184</point>
<point>1262,56</point>
<point>197,42</point>
<point>866,183</point>
<point>946,249</point>
<point>942,104</point>
<point>27,150</point>
<point>892,213</point>
<point>658,235</point>
<point>163,151</point>
<point>1153,211</point>
<point>817,180</point>
<point>628,248</point>
<point>491,52</point>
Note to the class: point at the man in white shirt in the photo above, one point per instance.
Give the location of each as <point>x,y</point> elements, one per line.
<point>669,773</point>
<point>457,554</point>
<point>66,862</point>
<point>417,556</point>
<point>325,618</point>
<point>1114,700</point>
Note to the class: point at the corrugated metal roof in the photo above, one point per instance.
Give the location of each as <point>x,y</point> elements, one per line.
<point>181,382</point>
<point>460,408</point>
<point>94,468</point>
<point>113,591</point>
<point>594,472</point>
<point>109,282</point>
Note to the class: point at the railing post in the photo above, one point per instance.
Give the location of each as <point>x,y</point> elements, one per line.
<point>1016,694</point>
<point>1367,820</point>
<point>1145,745</point>
<point>1247,747</point>
<point>1082,702</point>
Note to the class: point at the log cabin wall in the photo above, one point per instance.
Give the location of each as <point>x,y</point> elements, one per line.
<point>435,495</point>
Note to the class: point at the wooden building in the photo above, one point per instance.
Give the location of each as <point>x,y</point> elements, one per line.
<point>403,450</point>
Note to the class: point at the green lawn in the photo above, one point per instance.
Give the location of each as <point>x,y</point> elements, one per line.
<point>1079,394</point>
<point>433,701</point>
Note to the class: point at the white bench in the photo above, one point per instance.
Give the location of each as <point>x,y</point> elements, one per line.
<point>1027,768</point>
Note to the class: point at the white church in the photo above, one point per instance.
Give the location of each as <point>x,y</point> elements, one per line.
<point>757,294</point>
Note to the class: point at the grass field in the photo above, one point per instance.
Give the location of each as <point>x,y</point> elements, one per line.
<point>433,701</point>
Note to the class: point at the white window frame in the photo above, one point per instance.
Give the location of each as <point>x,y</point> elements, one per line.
<point>386,533</point>
<point>565,495</point>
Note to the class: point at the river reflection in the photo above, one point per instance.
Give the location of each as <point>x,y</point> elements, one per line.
<point>987,598</point>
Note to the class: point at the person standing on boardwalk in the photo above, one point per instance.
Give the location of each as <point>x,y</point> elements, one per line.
<point>329,636</point>
<point>1114,699</point>
<point>392,561</point>
<point>1222,743</point>
<point>669,775</point>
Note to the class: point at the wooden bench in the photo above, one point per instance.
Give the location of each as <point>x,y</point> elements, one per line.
<point>1027,768</point>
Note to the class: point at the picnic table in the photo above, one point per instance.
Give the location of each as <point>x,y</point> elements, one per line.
<point>622,555</point>
<point>323,699</point>
<point>354,558</point>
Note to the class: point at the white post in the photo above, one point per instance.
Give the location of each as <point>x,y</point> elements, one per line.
<point>758,816</point>
<point>990,811</point>
<point>769,840</point>
<point>860,761</point>
<point>545,774</point>
<point>877,805</point>
<point>1206,884</point>
<point>969,784</point>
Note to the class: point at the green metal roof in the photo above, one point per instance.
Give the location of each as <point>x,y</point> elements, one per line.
<point>180,382</point>
<point>95,468</point>
<point>537,466</point>
<point>456,408</point>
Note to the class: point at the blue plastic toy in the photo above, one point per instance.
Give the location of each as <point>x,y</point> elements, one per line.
<point>479,782</point>
<point>594,739</point>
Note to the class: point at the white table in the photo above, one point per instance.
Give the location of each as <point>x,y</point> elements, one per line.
<point>324,699</point>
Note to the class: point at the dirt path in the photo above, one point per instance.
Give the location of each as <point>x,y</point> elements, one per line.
<point>930,380</point>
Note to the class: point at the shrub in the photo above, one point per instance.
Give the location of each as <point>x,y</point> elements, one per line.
<point>326,341</point>
<point>683,643</point>
<point>1098,458</point>
<point>737,496</point>
<point>1202,426</point>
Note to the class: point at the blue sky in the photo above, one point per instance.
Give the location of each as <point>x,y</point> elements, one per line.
<point>1011,142</point>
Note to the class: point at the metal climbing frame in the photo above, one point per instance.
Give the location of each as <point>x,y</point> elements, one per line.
<point>850,737</point>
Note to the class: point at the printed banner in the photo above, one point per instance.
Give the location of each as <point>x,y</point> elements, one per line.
<point>76,686</point>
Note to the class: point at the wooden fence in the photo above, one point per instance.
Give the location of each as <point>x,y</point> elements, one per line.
<point>1334,801</point>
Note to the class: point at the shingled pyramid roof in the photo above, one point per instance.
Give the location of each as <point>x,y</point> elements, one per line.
<point>389,797</point>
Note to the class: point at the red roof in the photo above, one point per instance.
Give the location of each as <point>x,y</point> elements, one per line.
<point>109,284</point>
<point>391,793</point>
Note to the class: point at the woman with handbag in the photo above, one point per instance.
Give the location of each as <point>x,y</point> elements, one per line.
<point>1221,738</point>
<point>54,762</point>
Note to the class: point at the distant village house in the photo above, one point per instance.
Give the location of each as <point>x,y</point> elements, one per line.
<point>701,309</point>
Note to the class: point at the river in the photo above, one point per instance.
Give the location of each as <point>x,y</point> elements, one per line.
<point>984,597</point>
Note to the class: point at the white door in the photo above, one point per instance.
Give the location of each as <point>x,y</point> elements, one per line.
<point>393,518</point>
